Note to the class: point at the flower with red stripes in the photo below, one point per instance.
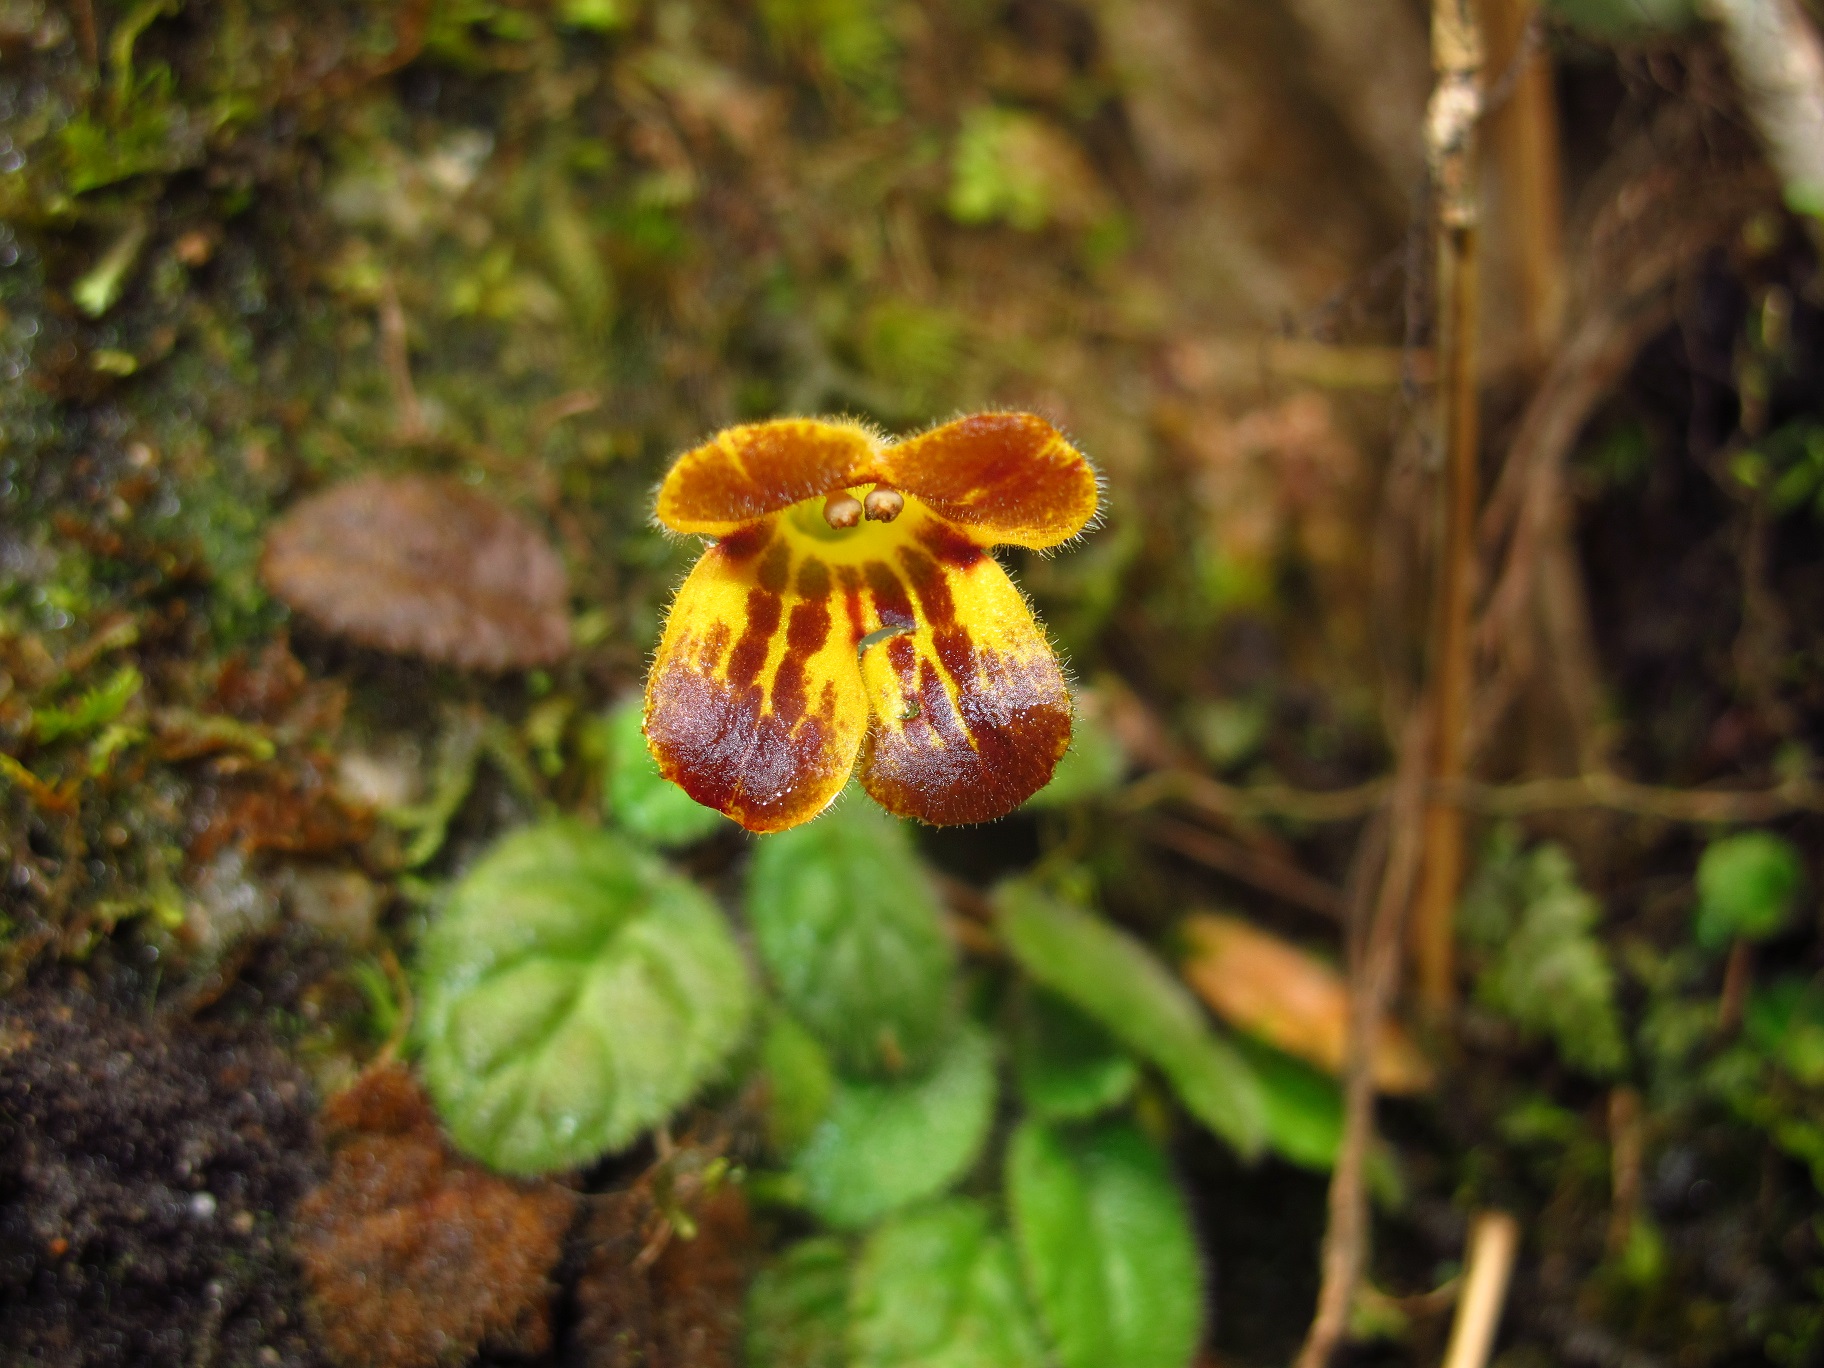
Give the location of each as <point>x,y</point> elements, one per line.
<point>850,615</point>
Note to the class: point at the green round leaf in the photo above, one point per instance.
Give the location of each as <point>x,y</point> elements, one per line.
<point>640,799</point>
<point>572,993</point>
<point>1747,885</point>
<point>847,924</point>
<point>1068,1067</point>
<point>1106,1246</point>
<point>882,1146</point>
<point>797,1309</point>
<point>937,1288</point>
<point>1119,982</point>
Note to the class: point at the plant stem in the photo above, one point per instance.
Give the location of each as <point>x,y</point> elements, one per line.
<point>1456,41</point>
<point>1523,129</point>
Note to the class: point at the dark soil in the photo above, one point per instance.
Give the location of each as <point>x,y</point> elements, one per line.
<point>145,1167</point>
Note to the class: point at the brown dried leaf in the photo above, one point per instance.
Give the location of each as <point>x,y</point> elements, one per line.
<point>416,1257</point>
<point>424,566</point>
<point>1290,999</point>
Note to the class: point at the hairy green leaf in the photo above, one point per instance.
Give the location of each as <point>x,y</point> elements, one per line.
<point>1106,1246</point>
<point>1746,886</point>
<point>937,1288</point>
<point>640,799</point>
<point>848,926</point>
<point>1116,980</point>
<point>882,1146</point>
<point>1068,1066</point>
<point>797,1309</point>
<point>572,993</point>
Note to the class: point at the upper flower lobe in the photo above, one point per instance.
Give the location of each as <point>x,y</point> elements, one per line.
<point>795,650</point>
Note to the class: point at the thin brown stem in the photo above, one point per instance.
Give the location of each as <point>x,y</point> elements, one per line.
<point>1456,40</point>
<point>1523,130</point>
<point>87,39</point>
<point>1738,977</point>
<point>1625,1147</point>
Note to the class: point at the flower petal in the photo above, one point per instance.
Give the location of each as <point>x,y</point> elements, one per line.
<point>971,713</point>
<point>744,473</point>
<point>755,705</point>
<point>1007,477</point>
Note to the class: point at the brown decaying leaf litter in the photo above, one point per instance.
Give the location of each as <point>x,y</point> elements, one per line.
<point>423,566</point>
<point>414,1256</point>
<point>654,1296</point>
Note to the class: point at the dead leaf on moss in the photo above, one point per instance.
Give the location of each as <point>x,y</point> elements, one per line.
<point>423,566</point>
<point>415,1257</point>
<point>1295,1002</point>
<point>667,1268</point>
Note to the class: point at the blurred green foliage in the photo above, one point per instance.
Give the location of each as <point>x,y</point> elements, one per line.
<point>798,1307</point>
<point>1747,885</point>
<point>1543,966</point>
<point>1787,465</point>
<point>1069,1067</point>
<point>1773,1077</point>
<point>939,1287</point>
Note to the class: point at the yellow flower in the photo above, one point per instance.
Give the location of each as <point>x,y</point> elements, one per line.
<point>849,611</point>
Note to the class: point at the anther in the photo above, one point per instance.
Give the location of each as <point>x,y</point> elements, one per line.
<point>883,504</point>
<point>842,509</point>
